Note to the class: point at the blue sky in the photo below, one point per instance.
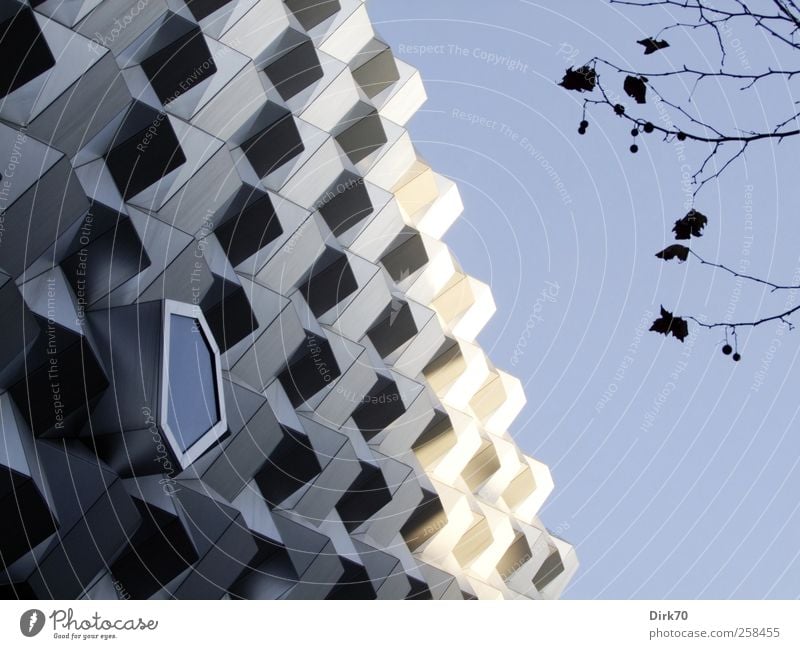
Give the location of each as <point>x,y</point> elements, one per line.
<point>676,469</point>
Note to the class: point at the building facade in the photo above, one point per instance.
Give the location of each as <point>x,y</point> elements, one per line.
<point>238,361</point>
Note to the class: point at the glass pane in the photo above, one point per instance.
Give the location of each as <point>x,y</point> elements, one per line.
<point>193,407</point>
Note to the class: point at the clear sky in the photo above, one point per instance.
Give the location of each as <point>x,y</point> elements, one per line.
<point>676,469</point>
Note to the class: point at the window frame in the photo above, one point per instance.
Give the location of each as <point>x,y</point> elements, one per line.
<point>213,434</point>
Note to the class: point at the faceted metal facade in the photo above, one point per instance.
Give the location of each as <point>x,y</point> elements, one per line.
<point>237,360</point>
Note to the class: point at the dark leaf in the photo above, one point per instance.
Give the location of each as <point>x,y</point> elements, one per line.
<point>668,324</point>
<point>690,225</point>
<point>652,45</point>
<point>582,79</point>
<point>675,250</point>
<point>636,87</point>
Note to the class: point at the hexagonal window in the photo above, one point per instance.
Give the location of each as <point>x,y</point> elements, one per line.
<point>192,412</point>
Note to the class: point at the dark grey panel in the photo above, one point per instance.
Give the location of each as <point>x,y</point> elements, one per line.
<point>23,48</point>
<point>295,70</point>
<point>311,13</point>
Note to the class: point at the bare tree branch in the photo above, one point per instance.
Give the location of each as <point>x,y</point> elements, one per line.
<point>771,285</point>
<point>776,20</point>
